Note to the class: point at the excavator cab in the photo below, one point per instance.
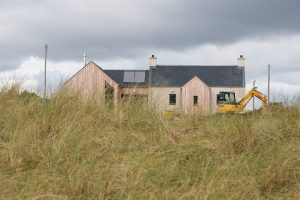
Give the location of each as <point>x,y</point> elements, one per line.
<point>226,98</point>
<point>227,103</point>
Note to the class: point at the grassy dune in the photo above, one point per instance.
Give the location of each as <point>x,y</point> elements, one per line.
<point>62,149</point>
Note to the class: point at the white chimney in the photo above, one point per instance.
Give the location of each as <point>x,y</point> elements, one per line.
<point>241,61</point>
<point>84,59</point>
<point>152,61</point>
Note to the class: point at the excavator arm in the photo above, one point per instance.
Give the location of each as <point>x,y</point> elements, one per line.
<point>254,93</point>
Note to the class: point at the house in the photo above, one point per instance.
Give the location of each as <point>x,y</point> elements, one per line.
<point>188,88</point>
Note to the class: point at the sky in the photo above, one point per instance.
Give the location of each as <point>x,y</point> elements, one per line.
<point>123,34</point>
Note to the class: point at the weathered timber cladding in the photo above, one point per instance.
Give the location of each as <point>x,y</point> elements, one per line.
<point>135,90</point>
<point>90,82</point>
<point>196,87</point>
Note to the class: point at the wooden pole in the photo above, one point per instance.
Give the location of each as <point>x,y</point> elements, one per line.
<point>45,77</point>
<point>269,73</point>
<point>253,97</point>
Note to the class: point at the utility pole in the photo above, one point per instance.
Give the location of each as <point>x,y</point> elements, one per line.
<point>45,78</point>
<point>254,97</point>
<point>269,72</point>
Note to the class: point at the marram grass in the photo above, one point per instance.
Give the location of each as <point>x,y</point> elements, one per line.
<point>65,149</point>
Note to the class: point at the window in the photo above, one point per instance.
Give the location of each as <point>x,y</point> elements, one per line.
<point>109,94</point>
<point>172,99</point>
<point>232,96</point>
<point>226,96</point>
<point>134,77</point>
<point>229,96</point>
<point>139,77</point>
<point>195,100</point>
<point>128,77</point>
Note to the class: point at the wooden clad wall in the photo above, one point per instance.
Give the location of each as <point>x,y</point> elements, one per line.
<point>196,87</point>
<point>90,81</point>
<point>135,90</point>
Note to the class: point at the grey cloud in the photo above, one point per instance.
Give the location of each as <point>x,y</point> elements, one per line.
<point>109,28</point>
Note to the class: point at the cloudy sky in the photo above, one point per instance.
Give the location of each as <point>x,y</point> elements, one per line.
<point>124,33</point>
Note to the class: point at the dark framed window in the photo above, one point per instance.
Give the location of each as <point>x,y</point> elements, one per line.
<point>172,99</point>
<point>195,100</point>
<point>128,77</point>
<point>109,94</point>
<point>134,76</point>
<point>139,77</point>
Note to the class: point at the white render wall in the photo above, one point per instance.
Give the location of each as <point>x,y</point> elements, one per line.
<point>159,96</point>
<point>239,94</point>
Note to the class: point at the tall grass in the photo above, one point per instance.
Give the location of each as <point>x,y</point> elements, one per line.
<point>64,149</point>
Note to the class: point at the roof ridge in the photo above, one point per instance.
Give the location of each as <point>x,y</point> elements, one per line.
<point>113,69</point>
<point>197,65</point>
<point>126,69</point>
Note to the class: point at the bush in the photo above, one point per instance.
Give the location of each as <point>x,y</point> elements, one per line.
<point>65,149</point>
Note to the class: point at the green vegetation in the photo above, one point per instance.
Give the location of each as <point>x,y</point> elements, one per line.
<point>64,149</point>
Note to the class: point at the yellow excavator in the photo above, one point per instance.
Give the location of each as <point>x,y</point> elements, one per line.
<point>227,103</point>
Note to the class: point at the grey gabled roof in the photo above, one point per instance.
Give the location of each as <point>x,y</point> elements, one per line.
<point>117,75</point>
<point>178,75</point>
<point>213,76</point>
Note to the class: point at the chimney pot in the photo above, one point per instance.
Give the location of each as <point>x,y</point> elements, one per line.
<point>152,61</point>
<point>241,61</point>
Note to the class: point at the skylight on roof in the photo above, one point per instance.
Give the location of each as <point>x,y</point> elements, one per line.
<point>134,77</point>
<point>128,77</point>
<point>139,77</point>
